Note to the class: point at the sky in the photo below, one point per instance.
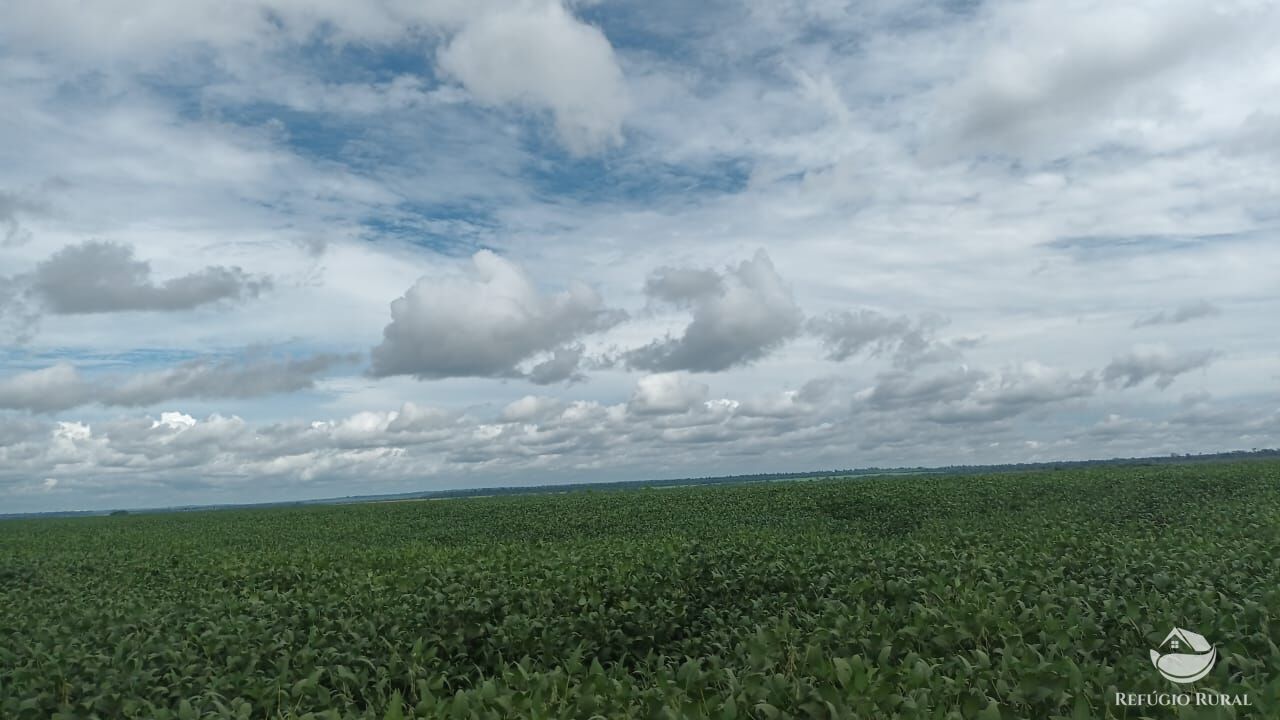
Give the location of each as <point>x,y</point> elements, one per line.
<point>262,250</point>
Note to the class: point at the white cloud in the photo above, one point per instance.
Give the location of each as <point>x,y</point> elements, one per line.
<point>900,389</point>
<point>563,363</point>
<point>532,54</point>
<point>1016,390</point>
<point>485,325</point>
<point>667,393</point>
<point>102,277</point>
<point>1040,174</point>
<point>537,55</point>
<point>1052,76</point>
<point>174,420</point>
<point>62,386</point>
<point>530,408</point>
<point>56,387</point>
<point>846,334</point>
<point>739,316</point>
<point>669,426</point>
<point>1158,362</point>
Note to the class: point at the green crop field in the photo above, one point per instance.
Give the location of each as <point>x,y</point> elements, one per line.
<point>1021,595</point>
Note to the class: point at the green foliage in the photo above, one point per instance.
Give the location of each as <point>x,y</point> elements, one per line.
<point>1030,595</point>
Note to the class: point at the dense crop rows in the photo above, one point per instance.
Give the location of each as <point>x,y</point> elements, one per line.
<point>1033,595</point>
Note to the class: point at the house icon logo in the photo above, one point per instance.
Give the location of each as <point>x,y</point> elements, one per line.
<point>1184,656</point>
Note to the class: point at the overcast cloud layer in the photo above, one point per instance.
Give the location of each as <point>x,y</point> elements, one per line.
<point>274,250</point>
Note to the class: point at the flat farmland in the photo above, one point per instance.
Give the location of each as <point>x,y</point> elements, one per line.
<point>1012,595</point>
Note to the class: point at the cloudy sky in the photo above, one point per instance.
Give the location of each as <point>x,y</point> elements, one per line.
<point>274,249</point>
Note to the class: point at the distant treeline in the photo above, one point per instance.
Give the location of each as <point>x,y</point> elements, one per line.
<point>1171,459</point>
<point>1235,455</point>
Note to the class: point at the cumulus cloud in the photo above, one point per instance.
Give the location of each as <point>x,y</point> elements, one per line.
<point>530,408</point>
<point>807,401</point>
<point>531,54</point>
<point>682,286</point>
<point>1180,314</point>
<point>539,56</point>
<point>1017,389</point>
<point>662,430</point>
<point>101,277</point>
<point>739,316</point>
<point>1135,140</point>
<point>228,378</point>
<point>1051,77</point>
<point>667,393</point>
<point>847,333</point>
<point>18,428</point>
<point>969,395</point>
<point>486,324</point>
<point>174,420</point>
<point>1162,364</point>
<point>901,389</point>
<point>62,386</point>
<point>104,277</point>
<point>920,345</point>
<point>409,444</point>
<point>57,387</point>
<point>563,365</point>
